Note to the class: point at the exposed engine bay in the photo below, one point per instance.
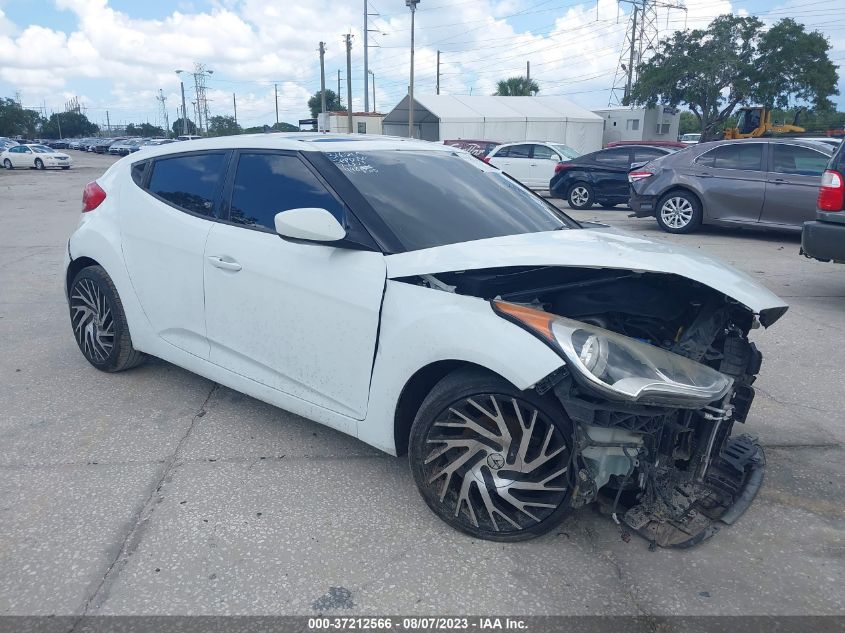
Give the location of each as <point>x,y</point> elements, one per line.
<point>668,469</point>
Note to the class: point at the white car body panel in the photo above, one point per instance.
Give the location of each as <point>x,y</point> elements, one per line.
<point>421,326</point>
<point>157,240</point>
<point>289,309</point>
<point>588,248</point>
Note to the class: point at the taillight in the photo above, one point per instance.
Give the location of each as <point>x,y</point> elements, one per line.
<point>92,196</point>
<point>832,191</point>
<point>486,159</point>
<point>634,176</point>
<point>563,167</point>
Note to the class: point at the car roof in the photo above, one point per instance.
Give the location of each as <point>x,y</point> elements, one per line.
<point>300,141</point>
<point>789,140</point>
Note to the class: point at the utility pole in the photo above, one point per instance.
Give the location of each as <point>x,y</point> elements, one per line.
<point>631,56</point>
<point>276,91</point>
<point>366,65</point>
<point>438,72</point>
<point>338,85</point>
<point>235,107</point>
<point>528,71</point>
<point>349,82</point>
<point>59,123</point>
<point>108,124</point>
<point>412,4</point>
<point>184,110</point>
<point>374,90</point>
<point>322,77</point>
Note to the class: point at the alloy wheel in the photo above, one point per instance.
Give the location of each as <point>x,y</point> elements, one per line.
<point>39,164</point>
<point>579,196</point>
<point>92,320</point>
<point>496,463</point>
<point>676,212</point>
<point>7,164</point>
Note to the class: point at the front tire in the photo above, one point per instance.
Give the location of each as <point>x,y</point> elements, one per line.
<point>99,322</point>
<point>679,212</point>
<point>39,164</point>
<point>581,196</point>
<point>490,460</point>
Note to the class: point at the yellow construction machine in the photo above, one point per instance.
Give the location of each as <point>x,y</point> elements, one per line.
<point>757,121</point>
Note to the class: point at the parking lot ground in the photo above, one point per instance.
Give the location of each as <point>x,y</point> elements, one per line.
<point>155,491</point>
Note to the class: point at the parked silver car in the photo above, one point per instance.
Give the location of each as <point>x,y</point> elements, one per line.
<point>762,182</point>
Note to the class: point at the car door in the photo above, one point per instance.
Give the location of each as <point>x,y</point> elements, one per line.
<point>542,167</point>
<point>167,212</point>
<point>731,181</point>
<point>610,173</point>
<point>24,157</point>
<point>515,161</point>
<point>297,317</point>
<point>792,184</point>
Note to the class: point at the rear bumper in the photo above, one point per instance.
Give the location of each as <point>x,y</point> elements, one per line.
<point>642,206</point>
<point>824,241</point>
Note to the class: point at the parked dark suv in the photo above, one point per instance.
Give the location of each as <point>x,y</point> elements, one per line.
<point>824,237</point>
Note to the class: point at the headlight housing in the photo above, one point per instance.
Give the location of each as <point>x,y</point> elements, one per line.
<point>620,367</point>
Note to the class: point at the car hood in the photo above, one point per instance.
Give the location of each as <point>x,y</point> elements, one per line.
<point>591,248</point>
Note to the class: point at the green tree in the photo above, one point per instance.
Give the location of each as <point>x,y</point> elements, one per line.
<point>177,127</point>
<point>333,103</point>
<point>285,127</point>
<point>18,121</point>
<point>68,125</point>
<point>688,123</point>
<point>223,126</point>
<point>516,87</point>
<point>735,61</point>
<point>148,129</point>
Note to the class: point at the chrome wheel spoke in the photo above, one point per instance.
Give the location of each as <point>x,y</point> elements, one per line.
<point>92,320</point>
<point>497,463</point>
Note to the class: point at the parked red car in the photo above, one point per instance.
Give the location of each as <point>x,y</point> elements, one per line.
<point>676,144</point>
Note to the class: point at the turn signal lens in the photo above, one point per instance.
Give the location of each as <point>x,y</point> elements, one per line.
<point>537,320</point>
<point>92,196</point>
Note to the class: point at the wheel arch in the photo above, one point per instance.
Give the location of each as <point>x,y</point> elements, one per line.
<point>418,386</point>
<point>682,188</point>
<point>74,267</point>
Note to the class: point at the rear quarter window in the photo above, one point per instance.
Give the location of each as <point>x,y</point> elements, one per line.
<point>189,182</point>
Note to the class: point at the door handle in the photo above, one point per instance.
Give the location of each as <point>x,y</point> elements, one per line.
<point>705,175</point>
<point>533,165</point>
<point>224,263</point>
<point>781,181</point>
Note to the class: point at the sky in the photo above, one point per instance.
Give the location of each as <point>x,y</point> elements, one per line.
<point>115,55</point>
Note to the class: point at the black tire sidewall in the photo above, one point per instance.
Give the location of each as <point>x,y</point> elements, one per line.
<point>697,214</point>
<point>454,387</point>
<point>106,286</point>
<point>591,198</point>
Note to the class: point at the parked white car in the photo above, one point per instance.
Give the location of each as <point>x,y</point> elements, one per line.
<point>690,139</point>
<point>412,296</point>
<point>34,156</point>
<point>532,164</point>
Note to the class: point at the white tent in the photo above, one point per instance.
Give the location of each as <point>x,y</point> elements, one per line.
<point>504,119</point>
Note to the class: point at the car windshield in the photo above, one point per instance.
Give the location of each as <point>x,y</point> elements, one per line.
<point>42,149</point>
<point>566,151</point>
<point>432,198</point>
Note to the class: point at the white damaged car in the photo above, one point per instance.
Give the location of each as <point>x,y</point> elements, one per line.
<point>424,302</point>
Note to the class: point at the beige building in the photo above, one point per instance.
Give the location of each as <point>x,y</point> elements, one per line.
<point>362,122</point>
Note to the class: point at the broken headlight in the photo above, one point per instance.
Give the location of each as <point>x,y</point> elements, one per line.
<point>619,366</point>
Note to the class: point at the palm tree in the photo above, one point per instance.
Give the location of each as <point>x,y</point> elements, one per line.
<point>516,87</point>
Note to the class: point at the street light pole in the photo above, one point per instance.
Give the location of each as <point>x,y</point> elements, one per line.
<point>412,4</point>
<point>374,90</point>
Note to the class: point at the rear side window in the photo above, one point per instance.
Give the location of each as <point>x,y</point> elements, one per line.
<point>541,152</point>
<point>138,171</point>
<point>266,184</point>
<point>742,156</point>
<point>520,151</point>
<point>641,155</point>
<point>794,159</point>
<point>616,157</point>
<point>189,182</point>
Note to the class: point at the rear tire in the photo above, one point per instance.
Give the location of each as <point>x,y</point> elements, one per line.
<point>99,322</point>
<point>490,460</point>
<point>581,196</point>
<point>8,164</point>
<point>679,212</point>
